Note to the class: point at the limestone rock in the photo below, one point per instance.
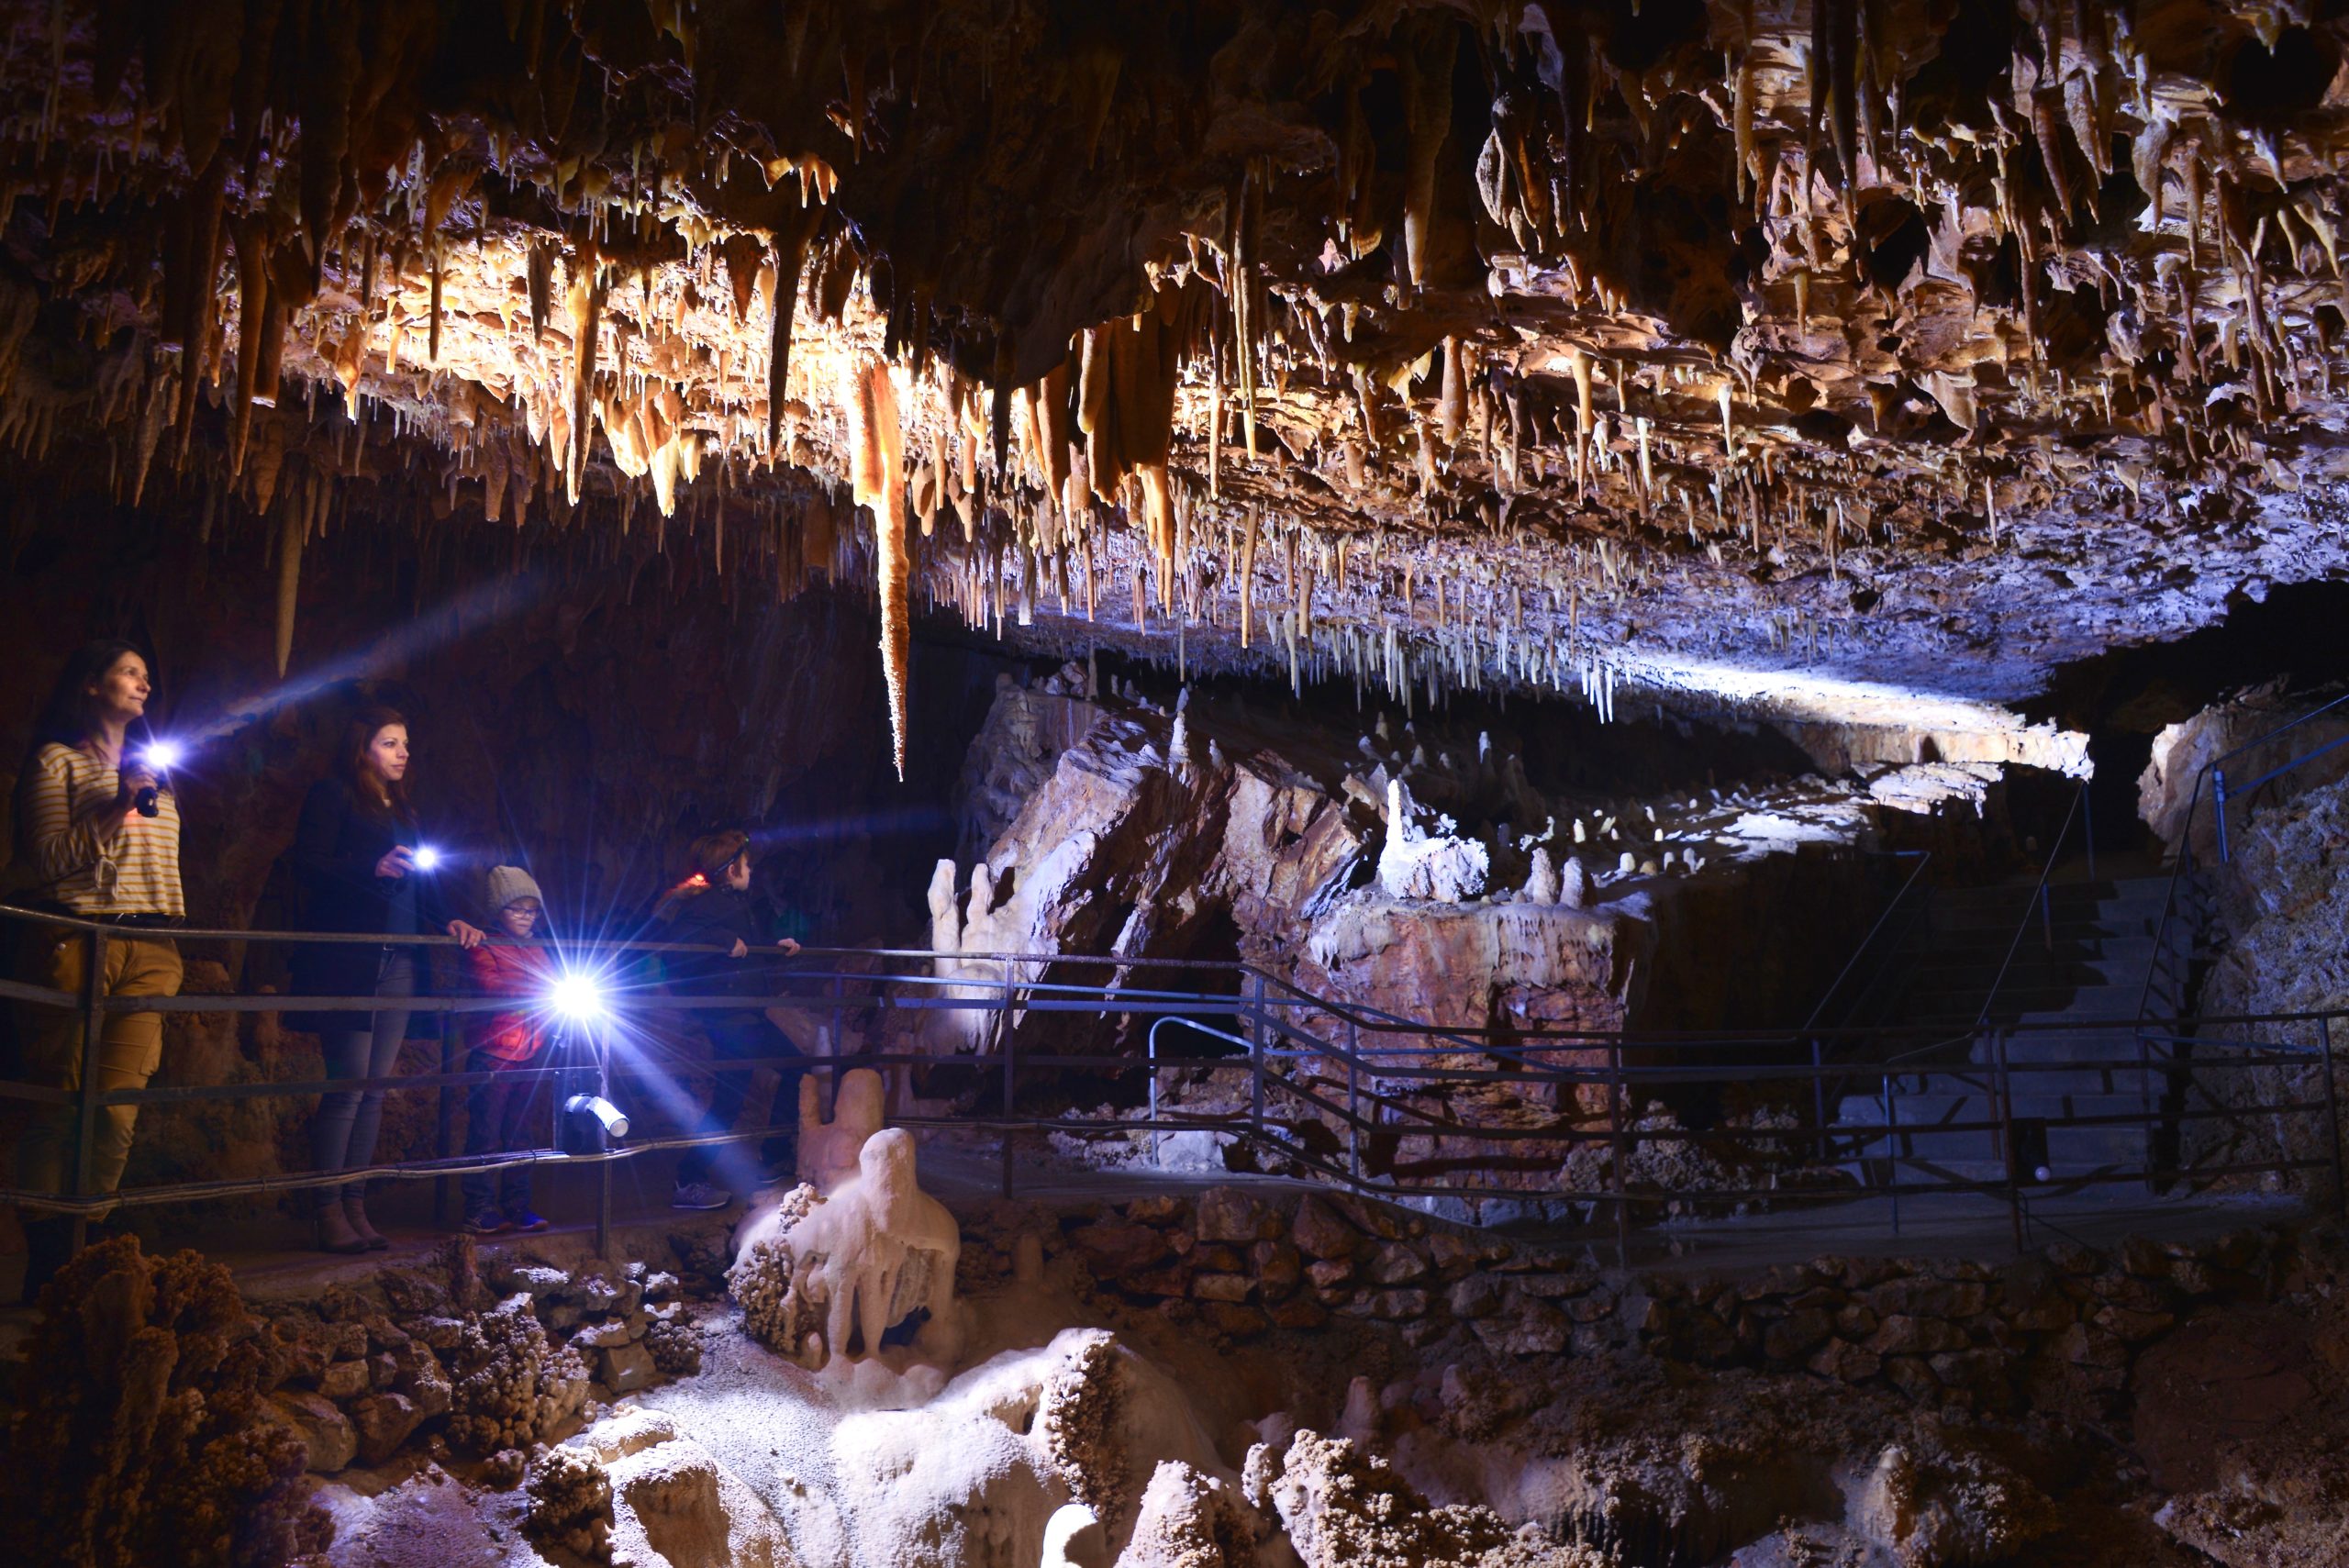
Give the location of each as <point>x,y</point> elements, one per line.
<point>324,1428</point>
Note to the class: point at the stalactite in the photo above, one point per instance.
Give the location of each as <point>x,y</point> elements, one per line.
<point>1429,42</point>
<point>289,581</point>
<point>876,451</point>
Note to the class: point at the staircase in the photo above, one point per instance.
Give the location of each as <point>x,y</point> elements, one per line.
<point>2068,1003</point>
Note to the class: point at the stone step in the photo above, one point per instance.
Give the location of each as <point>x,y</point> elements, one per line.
<point>2069,1148</point>
<point>1930,1111</point>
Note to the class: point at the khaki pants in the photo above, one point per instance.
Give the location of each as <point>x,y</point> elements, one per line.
<point>129,1050</point>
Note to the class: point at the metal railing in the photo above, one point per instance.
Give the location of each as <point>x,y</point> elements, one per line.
<point>1574,1123</point>
<point>2222,793</point>
<point>2186,906</point>
<point>2041,906</point>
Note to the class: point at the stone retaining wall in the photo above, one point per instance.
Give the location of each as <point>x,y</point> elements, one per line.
<point>2056,1327</point>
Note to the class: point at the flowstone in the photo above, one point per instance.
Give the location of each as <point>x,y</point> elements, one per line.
<point>829,1278</point>
<point>828,1150</point>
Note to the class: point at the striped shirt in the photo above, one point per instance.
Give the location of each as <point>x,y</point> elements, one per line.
<point>103,864</point>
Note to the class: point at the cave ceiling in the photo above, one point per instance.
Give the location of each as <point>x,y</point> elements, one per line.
<point>1747,349</point>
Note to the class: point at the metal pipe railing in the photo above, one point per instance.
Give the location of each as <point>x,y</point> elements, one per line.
<point>1292,1043</point>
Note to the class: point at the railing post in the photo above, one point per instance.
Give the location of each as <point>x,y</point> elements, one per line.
<point>2007,1134</point>
<point>1819,1098</point>
<point>1615,1108</point>
<point>2145,1099</point>
<point>1256,1061</point>
<point>444,1124</point>
<point>1892,1151</point>
<point>2218,809</point>
<point>2047,907</point>
<point>94,1023</point>
<point>1353,1099</point>
<point>2333,1116</point>
<point>1010,1068</point>
<point>2087,826</point>
<point>1151,1042</point>
<point>839,1040</point>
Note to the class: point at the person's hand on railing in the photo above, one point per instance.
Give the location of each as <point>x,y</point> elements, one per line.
<point>397,863</point>
<point>468,936</point>
<point>741,949</point>
<point>789,946</point>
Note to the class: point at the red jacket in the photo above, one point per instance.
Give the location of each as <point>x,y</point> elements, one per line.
<point>511,1038</point>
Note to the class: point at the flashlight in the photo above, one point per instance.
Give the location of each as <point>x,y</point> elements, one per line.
<point>424,857</point>
<point>614,1120</point>
<point>161,756</point>
<point>578,997</point>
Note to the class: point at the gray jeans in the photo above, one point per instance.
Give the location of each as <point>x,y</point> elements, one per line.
<point>342,1134</point>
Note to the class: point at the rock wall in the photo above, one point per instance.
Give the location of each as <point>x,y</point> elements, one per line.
<point>1407,871</point>
<point>2281,945</point>
<point>2166,789</point>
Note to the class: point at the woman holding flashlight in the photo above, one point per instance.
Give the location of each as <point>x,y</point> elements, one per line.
<point>97,824</point>
<point>364,870</point>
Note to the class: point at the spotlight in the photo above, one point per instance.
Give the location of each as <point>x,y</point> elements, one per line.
<point>578,997</point>
<point>614,1120</point>
<point>425,858</point>
<point>161,756</point>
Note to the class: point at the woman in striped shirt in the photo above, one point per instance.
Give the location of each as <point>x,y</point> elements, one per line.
<point>97,854</point>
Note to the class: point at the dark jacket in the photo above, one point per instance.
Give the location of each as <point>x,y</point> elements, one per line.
<point>334,854</point>
<point>716,917</point>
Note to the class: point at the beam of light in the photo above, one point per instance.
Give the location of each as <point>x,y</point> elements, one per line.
<point>903,821</point>
<point>472,610</point>
<point>426,857</point>
<point>162,755</point>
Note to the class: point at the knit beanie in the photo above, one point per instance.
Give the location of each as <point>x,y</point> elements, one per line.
<point>507,883</point>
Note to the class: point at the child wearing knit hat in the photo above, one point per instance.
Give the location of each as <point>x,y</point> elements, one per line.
<point>499,1112</point>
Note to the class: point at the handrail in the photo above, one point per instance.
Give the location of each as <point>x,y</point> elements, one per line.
<point>2038,895</point>
<point>2216,768</point>
<point>1429,1144</point>
<point>1923,859</point>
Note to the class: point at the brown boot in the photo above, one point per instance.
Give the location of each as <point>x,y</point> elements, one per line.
<point>335,1234</point>
<point>354,1208</point>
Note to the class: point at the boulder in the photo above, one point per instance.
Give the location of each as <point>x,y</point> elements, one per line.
<point>324,1428</point>
<point>1227,1215</point>
<point>625,1368</point>
<point>384,1422</point>
<point>1319,1233</point>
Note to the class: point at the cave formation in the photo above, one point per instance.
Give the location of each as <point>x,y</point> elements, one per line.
<point>1497,514</point>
